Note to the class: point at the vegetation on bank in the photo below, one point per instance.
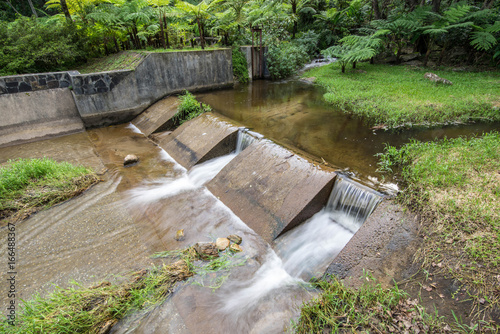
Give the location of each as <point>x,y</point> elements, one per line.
<point>240,66</point>
<point>400,96</point>
<point>369,308</point>
<point>454,185</point>
<point>189,108</point>
<point>97,308</point>
<point>28,185</point>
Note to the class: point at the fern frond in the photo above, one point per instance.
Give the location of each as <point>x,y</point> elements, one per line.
<point>494,27</point>
<point>454,14</point>
<point>483,41</point>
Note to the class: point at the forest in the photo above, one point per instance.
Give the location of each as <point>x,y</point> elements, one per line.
<point>40,36</point>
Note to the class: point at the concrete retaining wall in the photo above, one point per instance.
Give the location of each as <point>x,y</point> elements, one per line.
<point>37,106</point>
<point>253,64</point>
<point>37,115</point>
<point>116,97</point>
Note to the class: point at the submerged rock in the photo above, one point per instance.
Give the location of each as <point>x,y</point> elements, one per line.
<point>179,236</point>
<point>206,250</point>
<point>235,238</point>
<point>222,243</point>
<point>130,159</point>
<point>235,248</point>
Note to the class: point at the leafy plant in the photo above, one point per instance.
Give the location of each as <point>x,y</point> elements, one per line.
<point>284,59</point>
<point>240,66</point>
<point>189,108</point>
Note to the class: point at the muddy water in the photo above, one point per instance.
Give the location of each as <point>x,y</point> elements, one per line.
<point>293,113</point>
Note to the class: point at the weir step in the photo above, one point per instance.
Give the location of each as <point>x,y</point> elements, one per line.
<point>201,139</point>
<point>157,117</point>
<point>271,189</point>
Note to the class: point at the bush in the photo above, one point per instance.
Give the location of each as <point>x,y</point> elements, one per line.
<point>29,45</point>
<point>309,41</point>
<point>189,108</point>
<point>284,59</point>
<point>240,66</point>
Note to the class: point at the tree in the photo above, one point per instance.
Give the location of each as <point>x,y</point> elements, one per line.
<point>199,13</point>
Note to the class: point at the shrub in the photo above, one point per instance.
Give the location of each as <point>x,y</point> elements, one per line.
<point>240,66</point>
<point>29,45</point>
<point>284,59</point>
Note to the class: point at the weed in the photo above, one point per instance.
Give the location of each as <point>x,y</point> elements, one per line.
<point>189,108</point>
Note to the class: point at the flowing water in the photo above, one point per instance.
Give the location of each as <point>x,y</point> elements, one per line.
<point>293,113</point>
<point>114,227</point>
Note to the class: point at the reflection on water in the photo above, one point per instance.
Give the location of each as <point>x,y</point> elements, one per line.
<point>294,113</point>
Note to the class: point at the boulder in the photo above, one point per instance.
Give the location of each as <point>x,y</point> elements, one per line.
<point>435,78</point>
<point>235,239</point>
<point>130,159</point>
<point>222,244</point>
<point>206,250</point>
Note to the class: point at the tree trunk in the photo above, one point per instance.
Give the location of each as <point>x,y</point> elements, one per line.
<point>487,4</point>
<point>441,55</point>
<point>202,39</point>
<point>117,47</point>
<point>353,65</point>
<point>166,30</point>
<point>32,8</point>
<point>64,7</point>
<point>436,6</point>
<point>162,34</point>
<point>294,11</point>
<point>376,10</point>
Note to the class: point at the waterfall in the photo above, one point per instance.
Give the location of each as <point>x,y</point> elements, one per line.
<point>351,203</point>
<point>245,139</point>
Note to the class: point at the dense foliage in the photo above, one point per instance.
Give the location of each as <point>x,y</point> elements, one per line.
<point>189,108</point>
<point>240,66</point>
<point>351,30</point>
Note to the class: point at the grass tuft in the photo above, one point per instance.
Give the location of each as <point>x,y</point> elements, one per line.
<point>189,108</point>
<point>368,309</point>
<point>400,96</point>
<point>28,185</point>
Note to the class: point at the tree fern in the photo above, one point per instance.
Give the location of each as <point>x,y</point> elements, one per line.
<point>483,41</point>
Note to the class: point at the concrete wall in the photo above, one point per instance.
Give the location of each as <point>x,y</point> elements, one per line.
<point>116,97</point>
<point>36,106</point>
<point>37,115</point>
<point>254,70</point>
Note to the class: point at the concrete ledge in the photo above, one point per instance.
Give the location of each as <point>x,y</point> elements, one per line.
<point>158,116</point>
<point>37,115</point>
<point>271,189</point>
<point>201,139</point>
<point>384,245</point>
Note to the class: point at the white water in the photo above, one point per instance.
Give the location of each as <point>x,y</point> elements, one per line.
<point>168,187</point>
<point>303,252</point>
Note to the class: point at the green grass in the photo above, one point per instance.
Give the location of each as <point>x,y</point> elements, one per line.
<point>454,184</point>
<point>400,96</point>
<point>368,309</point>
<point>96,309</point>
<point>124,60</point>
<point>27,185</point>
<point>189,108</point>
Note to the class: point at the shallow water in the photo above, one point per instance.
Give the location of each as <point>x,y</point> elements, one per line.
<point>294,113</point>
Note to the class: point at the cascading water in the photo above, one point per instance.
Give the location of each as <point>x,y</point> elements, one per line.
<point>306,250</point>
<point>195,178</point>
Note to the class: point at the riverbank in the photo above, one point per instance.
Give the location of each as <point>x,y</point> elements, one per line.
<point>399,96</point>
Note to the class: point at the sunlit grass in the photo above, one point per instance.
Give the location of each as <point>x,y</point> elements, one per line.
<point>400,96</point>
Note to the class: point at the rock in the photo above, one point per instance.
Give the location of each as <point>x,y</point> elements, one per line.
<point>206,250</point>
<point>414,63</point>
<point>222,243</point>
<point>179,236</point>
<point>235,248</point>
<point>411,56</point>
<point>130,159</point>
<point>235,238</point>
<point>435,78</point>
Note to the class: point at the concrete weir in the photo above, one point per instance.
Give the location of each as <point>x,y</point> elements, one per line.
<point>158,116</point>
<point>201,139</point>
<point>271,189</point>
